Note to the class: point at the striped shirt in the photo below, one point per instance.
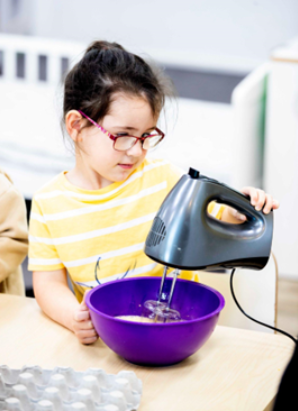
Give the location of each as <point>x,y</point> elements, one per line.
<point>99,235</point>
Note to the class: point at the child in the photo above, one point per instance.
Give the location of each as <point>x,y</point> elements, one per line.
<point>13,237</point>
<point>93,220</point>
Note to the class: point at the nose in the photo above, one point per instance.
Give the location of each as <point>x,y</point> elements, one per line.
<point>136,150</point>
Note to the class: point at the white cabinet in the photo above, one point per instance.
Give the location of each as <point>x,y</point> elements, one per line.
<point>281,155</point>
<point>265,109</point>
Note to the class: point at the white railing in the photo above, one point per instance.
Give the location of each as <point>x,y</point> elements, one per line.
<point>32,150</point>
<point>36,60</point>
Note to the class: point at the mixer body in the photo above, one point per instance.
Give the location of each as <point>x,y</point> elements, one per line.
<point>183,234</point>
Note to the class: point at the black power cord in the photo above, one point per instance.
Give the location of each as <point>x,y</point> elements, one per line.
<point>253,319</point>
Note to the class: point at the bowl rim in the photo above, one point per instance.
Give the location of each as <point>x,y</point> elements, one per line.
<point>178,323</point>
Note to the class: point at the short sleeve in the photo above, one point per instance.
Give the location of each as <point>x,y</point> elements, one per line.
<point>43,254</point>
<point>216,210</point>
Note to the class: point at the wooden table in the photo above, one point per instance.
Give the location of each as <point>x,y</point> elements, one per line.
<point>236,370</point>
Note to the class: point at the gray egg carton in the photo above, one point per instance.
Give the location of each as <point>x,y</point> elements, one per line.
<point>64,389</point>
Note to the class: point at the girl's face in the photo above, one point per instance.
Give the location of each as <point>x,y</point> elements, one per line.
<point>96,157</point>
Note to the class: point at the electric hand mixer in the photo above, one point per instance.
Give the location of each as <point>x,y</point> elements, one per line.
<point>184,236</point>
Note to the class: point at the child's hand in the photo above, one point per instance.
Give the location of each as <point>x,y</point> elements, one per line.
<point>82,325</point>
<point>259,199</point>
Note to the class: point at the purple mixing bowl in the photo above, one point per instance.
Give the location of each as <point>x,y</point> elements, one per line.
<point>154,343</point>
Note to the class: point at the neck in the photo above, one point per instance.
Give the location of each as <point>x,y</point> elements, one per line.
<point>85,177</point>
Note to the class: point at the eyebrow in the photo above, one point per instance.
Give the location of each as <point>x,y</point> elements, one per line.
<point>131,128</point>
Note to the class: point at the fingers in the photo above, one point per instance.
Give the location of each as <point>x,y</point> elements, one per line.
<point>260,199</point>
<point>275,205</point>
<point>91,340</point>
<point>81,315</point>
<point>85,332</point>
<point>268,204</point>
<point>238,215</point>
<point>83,326</point>
<point>84,335</point>
<point>257,197</point>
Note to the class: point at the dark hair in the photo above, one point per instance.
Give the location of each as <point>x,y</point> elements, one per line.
<point>107,68</point>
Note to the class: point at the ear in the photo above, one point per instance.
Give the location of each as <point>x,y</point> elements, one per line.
<point>73,124</point>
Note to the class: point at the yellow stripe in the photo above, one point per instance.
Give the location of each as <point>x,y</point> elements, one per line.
<point>211,207</point>
<point>116,234</point>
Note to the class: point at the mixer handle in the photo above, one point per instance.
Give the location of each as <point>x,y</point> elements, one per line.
<point>255,220</point>
<point>239,201</point>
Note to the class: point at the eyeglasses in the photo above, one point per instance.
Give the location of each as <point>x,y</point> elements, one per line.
<point>124,142</point>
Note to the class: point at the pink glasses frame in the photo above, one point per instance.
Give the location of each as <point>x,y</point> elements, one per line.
<point>114,138</point>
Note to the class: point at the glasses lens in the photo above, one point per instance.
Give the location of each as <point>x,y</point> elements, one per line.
<point>151,142</point>
<point>124,143</point>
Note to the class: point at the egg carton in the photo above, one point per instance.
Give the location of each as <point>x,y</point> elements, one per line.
<point>64,389</point>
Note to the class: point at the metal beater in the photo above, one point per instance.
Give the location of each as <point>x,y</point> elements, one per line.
<point>161,311</point>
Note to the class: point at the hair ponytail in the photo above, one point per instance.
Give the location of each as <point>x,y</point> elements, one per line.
<point>107,68</point>
<point>101,45</point>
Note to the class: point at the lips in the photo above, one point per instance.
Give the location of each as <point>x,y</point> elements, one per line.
<point>126,166</point>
